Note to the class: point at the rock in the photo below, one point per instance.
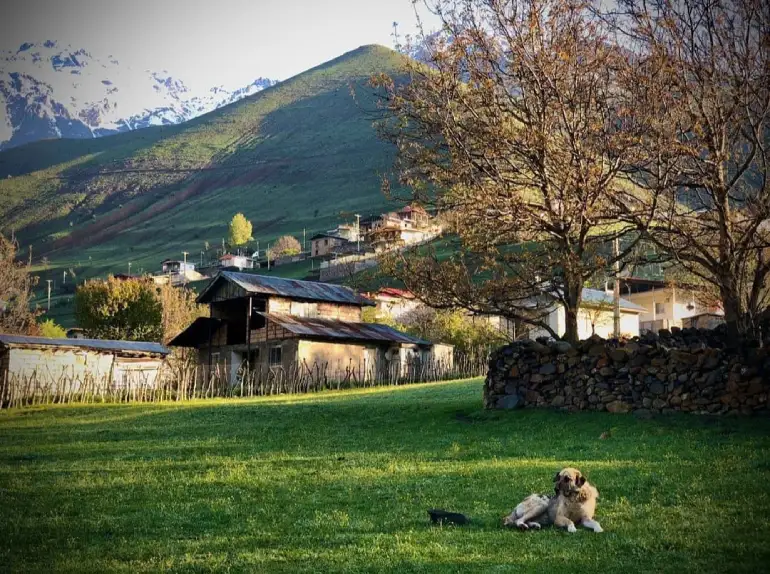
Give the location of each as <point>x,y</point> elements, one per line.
<point>540,348</point>
<point>548,369</point>
<point>557,401</point>
<point>536,378</point>
<point>643,413</point>
<point>658,404</point>
<point>683,357</point>
<point>562,347</point>
<point>619,356</point>
<point>509,402</point>
<point>675,401</point>
<point>597,350</point>
<point>514,372</point>
<point>656,388</point>
<point>755,386</point>
<point>646,402</point>
<point>607,372</point>
<point>511,388</point>
<point>618,407</point>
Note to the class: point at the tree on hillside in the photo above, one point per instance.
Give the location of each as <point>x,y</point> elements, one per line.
<point>514,128</point>
<point>702,76</point>
<point>285,245</point>
<point>240,230</point>
<point>16,284</point>
<point>134,309</point>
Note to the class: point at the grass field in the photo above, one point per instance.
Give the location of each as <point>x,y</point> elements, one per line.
<point>341,481</point>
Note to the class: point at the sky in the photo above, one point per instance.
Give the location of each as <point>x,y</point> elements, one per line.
<point>207,43</point>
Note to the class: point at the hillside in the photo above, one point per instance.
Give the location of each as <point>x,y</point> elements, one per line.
<point>292,156</point>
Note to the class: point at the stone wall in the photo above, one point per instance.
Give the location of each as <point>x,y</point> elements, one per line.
<point>688,370</point>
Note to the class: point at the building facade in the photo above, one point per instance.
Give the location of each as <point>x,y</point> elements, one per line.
<point>260,322</point>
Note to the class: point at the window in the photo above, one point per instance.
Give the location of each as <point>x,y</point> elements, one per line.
<point>660,308</point>
<point>275,356</point>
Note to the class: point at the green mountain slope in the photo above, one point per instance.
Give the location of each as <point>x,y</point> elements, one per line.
<point>291,157</point>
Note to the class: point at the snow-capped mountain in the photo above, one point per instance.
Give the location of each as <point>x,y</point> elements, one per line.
<point>49,90</point>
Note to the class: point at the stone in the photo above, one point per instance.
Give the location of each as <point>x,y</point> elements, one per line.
<point>656,388</point>
<point>540,348</point>
<point>602,362</point>
<point>643,413</point>
<point>618,407</point>
<point>646,402</point>
<point>755,386</point>
<point>536,378</point>
<point>658,404</point>
<point>619,356</point>
<point>562,347</point>
<point>548,369</point>
<point>607,372</point>
<point>509,402</point>
<point>683,378</point>
<point>675,401</point>
<point>511,388</point>
<point>683,357</point>
<point>597,350</point>
<point>557,401</point>
<point>514,372</point>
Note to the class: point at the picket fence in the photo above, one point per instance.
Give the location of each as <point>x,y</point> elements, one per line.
<point>180,381</point>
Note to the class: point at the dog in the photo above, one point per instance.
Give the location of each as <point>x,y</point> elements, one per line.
<point>444,517</point>
<point>573,502</point>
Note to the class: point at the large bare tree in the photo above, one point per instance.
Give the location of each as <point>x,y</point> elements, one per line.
<point>16,284</point>
<point>518,128</point>
<point>701,75</point>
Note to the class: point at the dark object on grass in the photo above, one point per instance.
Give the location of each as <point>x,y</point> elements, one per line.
<point>445,517</point>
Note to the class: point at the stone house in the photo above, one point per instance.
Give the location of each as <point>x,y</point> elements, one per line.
<point>280,324</point>
<point>69,363</point>
<point>322,244</point>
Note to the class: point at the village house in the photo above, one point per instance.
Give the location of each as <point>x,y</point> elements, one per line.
<point>407,226</point>
<point>240,262</point>
<point>666,305</point>
<point>67,364</point>
<point>259,321</point>
<point>177,272</point>
<point>323,244</point>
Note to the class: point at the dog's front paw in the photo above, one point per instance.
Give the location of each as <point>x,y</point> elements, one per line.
<point>598,528</point>
<point>521,525</point>
<point>571,528</point>
<point>534,525</point>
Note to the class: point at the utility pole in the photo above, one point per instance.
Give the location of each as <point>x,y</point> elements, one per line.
<point>358,233</point>
<point>184,268</point>
<point>268,256</point>
<point>64,278</point>
<point>201,258</point>
<point>304,246</point>
<point>49,293</point>
<point>616,290</point>
<point>129,269</point>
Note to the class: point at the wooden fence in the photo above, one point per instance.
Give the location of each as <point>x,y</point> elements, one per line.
<point>179,381</point>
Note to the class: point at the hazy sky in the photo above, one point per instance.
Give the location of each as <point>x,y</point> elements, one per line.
<point>209,43</point>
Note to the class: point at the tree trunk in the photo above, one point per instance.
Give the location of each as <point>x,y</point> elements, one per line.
<point>734,316</point>
<point>573,292</point>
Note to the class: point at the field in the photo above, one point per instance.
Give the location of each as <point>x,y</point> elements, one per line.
<point>341,482</point>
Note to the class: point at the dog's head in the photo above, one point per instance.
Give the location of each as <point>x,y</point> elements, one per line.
<point>568,481</point>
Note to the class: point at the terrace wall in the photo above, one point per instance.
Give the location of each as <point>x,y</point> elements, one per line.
<point>673,371</point>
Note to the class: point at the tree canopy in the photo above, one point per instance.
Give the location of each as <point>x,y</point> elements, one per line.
<point>239,230</point>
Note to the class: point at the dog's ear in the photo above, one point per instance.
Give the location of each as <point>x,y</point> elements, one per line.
<point>580,480</point>
<point>557,476</point>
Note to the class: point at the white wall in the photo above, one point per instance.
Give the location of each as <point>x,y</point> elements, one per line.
<point>557,320</point>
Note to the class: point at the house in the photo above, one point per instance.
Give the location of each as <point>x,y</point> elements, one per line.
<point>596,315</point>
<point>68,364</point>
<point>394,303</point>
<point>282,324</point>
<point>177,272</point>
<point>323,244</point>
<point>668,305</point>
<point>240,262</point>
<point>407,226</point>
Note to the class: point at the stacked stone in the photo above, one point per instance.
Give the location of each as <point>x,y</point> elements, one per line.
<point>683,370</point>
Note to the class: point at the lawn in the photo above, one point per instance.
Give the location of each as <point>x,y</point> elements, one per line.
<point>341,482</point>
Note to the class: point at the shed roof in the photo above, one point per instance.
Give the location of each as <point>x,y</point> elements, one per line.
<point>94,344</point>
<point>197,333</point>
<point>334,329</point>
<point>290,288</point>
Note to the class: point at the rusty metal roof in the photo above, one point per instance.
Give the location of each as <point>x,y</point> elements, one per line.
<point>290,288</point>
<point>94,344</point>
<point>333,329</point>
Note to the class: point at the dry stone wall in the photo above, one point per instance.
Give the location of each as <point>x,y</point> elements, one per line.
<point>686,370</point>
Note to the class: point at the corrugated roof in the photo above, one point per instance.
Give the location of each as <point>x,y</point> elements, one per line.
<point>291,288</point>
<point>96,344</point>
<point>600,297</point>
<point>332,329</point>
<point>197,333</point>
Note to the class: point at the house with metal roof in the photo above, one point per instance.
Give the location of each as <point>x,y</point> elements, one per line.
<point>258,321</point>
<point>30,365</point>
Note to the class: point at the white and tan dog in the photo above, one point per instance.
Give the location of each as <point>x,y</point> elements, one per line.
<point>574,502</point>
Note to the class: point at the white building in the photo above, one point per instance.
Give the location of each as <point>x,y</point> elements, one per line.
<point>667,306</point>
<point>238,261</point>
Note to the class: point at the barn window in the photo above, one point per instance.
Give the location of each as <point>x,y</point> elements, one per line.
<point>275,356</point>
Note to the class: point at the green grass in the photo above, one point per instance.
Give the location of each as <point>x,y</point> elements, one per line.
<point>340,482</point>
<point>300,155</point>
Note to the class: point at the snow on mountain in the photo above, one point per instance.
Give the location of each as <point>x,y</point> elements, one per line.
<point>49,90</point>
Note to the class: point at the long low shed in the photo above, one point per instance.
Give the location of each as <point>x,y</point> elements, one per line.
<point>31,365</point>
